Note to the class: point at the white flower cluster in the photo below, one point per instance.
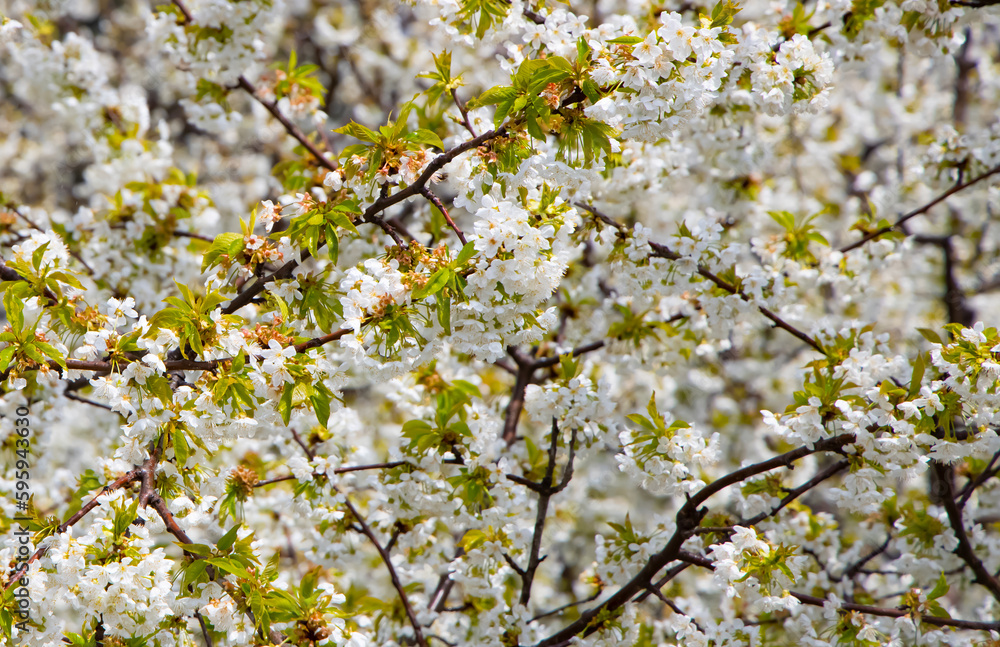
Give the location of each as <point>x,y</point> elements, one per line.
<point>578,404</point>
<point>667,468</point>
<point>793,78</point>
<point>120,579</point>
<point>667,88</point>
<point>370,291</point>
<point>734,570</point>
<point>521,259</point>
<point>55,255</point>
<point>221,42</point>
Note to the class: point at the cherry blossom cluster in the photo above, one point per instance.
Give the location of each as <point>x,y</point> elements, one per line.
<point>486,322</point>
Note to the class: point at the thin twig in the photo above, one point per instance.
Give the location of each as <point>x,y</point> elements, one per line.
<point>339,470</point>
<point>120,482</point>
<point>190,234</point>
<point>553,612</point>
<point>525,371</point>
<point>271,106</point>
<point>465,113</point>
<point>920,210</point>
<point>576,352</point>
<point>898,613</point>
<point>857,566</point>
<point>964,549</point>
<point>387,560</point>
<point>665,252</point>
<point>436,201</point>
<point>301,444</point>
<point>981,478</point>
<point>820,476</point>
<point>31,224</point>
<point>528,574</point>
<point>688,518</point>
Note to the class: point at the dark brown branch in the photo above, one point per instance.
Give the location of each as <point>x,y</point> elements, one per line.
<point>688,518</point>
<point>370,215</point>
<point>528,574</point>
<point>204,629</point>
<point>301,444</point>
<point>387,560</point>
<point>553,612</point>
<point>271,107</point>
<point>31,224</point>
<point>898,613</point>
<point>10,274</point>
<point>248,294</point>
<point>465,113</point>
<point>667,577</point>
<point>339,470</point>
<point>981,478</point>
<point>159,505</point>
<point>576,352</point>
<point>436,201</point>
<point>120,482</point>
<point>290,128</point>
<point>975,4</point>
<point>319,341</point>
<point>920,210</point>
<point>73,396</point>
<point>525,371</point>
<point>964,550</point>
<point>857,566</point>
<point>665,252</point>
<point>432,168</point>
<point>190,234</point>
<point>864,608</point>
<point>821,476</point>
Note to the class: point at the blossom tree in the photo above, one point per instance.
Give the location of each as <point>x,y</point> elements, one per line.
<point>500,322</point>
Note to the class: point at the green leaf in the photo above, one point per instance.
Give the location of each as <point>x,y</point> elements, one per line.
<point>427,137</point>
<point>228,539</point>
<point>201,550</point>
<point>285,404</point>
<point>340,218</point>
<point>940,588</point>
<point>625,40</point>
<point>570,367</point>
<point>468,251</point>
<point>493,96</point>
<point>15,310</point>
<point>918,375</point>
<point>51,352</point>
<point>930,335</point>
<point>444,312</point>
<point>358,131</point>
<point>413,428</point>
<point>641,420</point>
<point>321,405</point>
<point>434,285</point>
<point>5,356</point>
<point>783,218</point>
<point>472,539</point>
<point>181,449</point>
<point>332,244</point>
<point>230,566</point>
<point>36,257</point>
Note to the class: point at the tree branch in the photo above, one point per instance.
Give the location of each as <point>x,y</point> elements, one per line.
<point>665,252</point>
<point>688,518</point>
<point>920,210</point>
<point>387,560</point>
<point>964,548</point>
